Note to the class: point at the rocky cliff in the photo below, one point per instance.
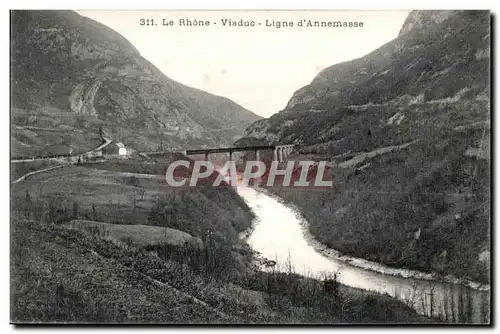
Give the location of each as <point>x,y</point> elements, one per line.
<point>70,73</point>
<point>432,59</point>
<point>438,57</point>
<point>407,127</point>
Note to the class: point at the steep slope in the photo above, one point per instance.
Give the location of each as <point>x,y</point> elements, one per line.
<point>433,58</point>
<point>70,75</point>
<point>91,245</point>
<point>62,275</point>
<point>407,127</point>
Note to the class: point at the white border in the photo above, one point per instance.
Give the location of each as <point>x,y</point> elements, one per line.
<point>249,4</point>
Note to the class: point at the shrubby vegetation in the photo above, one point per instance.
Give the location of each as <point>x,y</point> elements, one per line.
<point>161,282</point>
<point>425,206</point>
<point>131,283</point>
<point>429,188</point>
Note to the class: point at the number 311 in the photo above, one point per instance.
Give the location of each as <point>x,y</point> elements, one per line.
<point>147,22</point>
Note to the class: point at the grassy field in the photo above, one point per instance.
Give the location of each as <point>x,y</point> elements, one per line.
<point>105,195</point>
<point>88,245</point>
<point>60,274</point>
<point>142,235</point>
<point>80,192</point>
<point>19,169</point>
<point>134,165</point>
<point>52,137</point>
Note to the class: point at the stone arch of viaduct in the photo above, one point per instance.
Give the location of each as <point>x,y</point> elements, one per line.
<point>281,152</point>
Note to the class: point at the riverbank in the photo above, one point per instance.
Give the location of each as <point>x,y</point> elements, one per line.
<point>172,289</point>
<point>366,264</point>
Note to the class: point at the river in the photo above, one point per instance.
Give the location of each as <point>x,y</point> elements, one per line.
<point>280,234</point>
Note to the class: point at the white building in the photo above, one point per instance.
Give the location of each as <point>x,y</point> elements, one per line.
<point>122,150</point>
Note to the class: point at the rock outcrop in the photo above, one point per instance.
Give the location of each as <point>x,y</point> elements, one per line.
<point>66,67</point>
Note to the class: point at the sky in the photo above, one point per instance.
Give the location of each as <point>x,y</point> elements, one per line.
<point>258,67</point>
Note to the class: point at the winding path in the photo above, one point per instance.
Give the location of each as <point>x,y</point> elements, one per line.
<point>107,141</point>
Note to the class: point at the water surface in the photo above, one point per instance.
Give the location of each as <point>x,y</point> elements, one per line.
<point>280,234</point>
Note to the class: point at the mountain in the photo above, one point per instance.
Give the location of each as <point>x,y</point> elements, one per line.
<point>430,60</point>
<point>407,128</point>
<point>70,75</point>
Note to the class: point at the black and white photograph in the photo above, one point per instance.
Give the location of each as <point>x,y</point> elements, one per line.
<point>244,167</point>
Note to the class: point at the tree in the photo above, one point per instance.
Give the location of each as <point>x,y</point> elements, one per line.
<point>133,181</point>
<point>101,134</point>
<point>80,121</point>
<point>142,192</point>
<point>332,286</point>
<point>75,209</point>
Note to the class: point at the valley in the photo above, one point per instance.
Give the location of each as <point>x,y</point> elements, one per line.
<point>98,236</point>
<point>179,249</point>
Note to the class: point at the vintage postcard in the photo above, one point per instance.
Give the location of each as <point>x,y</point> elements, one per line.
<point>250,167</point>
